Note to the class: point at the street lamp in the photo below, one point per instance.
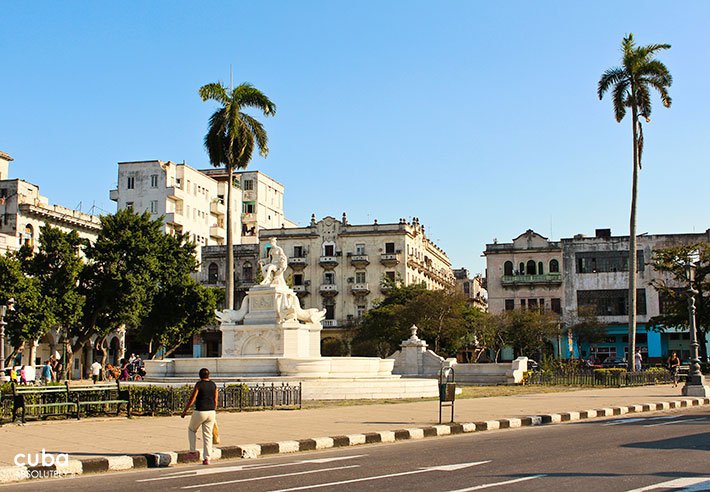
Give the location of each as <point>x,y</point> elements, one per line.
<point>695,384</point>
<point>9,306</point>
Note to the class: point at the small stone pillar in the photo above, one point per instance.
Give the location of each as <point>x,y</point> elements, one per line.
<point>412,351</point>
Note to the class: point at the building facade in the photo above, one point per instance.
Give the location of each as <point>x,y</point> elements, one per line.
<point>189,201</point>
<point>472,288</point>
<point>584,276</point>
<point>524,273</point>
<point>344,268</point>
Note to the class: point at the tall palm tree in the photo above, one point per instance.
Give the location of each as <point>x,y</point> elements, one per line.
<point>230,141</point>
<point>631,85</point>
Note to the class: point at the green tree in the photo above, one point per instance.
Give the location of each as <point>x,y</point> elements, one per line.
<point>586,326</point>
<point>631,85</point>
<point>230,141</point>
<point>528,330</point>
<point>673,289</point>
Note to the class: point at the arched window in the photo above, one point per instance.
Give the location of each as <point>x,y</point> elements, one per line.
<point>539,268</point>
<point>29,236</point>
<point>521,270</point>
<point>247,272</point>
<point>212,273</point>
<point>508,268</point>
<point>554,266</point>
<point>531,270</point>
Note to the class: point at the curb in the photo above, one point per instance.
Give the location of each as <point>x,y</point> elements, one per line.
<point>9,474</point>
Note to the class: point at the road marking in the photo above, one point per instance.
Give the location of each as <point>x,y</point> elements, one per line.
<point>199,486</point>
<point>623,421</point>
<point>454,467</point>
<point>228,469</point>
<point>686,484</point>
<point>676,422</point>
<point>496,484</point>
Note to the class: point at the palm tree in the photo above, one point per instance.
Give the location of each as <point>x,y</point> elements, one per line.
<point>230,141</point>
<point>631,85</point>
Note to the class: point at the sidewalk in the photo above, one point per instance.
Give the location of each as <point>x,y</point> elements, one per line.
<point>96,437</point>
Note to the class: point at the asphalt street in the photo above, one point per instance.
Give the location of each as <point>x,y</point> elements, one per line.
<point>655,452</point>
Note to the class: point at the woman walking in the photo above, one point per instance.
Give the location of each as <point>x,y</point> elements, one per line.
<point>204,398</point>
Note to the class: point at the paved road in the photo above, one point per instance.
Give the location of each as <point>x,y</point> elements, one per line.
<point>655,451</point>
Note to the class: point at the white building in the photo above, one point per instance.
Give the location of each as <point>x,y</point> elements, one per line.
<point>191,202</point>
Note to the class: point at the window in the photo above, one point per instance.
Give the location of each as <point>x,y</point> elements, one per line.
<point>389,248</point>
<point>360,277</point>
<point>153,180</point>
<point>539,268</point>
<point>329,306</point>
<point>328,250</point>
<point>509,304</point>
<point>390,276</point>
<point>532,303</point>
<point>29,236</point>
<point>508,268</point>
<point>297,279</point>
<point>129,205</point>
<point>247,272</point>
<point>554,266</point>
<point>530,268</point>
<point>612,302</point>
<point>329,278</point>
<point>466,288</point>
<point>360,310</point>
<point>248,185</point>
<point>154,206</point>
<point>298,251</point>
<point>556,305</point>
<point>521,269</point>
<point>248,207</point>
<point>607,261</point>
<point>212,273</point>
<point>359,249</point>
<point>131,182</point>
<point>522,303</point>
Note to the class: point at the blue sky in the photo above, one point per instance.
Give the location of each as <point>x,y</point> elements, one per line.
<point>479,118</point>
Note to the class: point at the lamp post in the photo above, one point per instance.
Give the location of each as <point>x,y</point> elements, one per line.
<point>3,311</point>
<point>695,384</point>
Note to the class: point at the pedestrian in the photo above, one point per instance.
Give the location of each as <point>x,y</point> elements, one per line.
<point>673,365</point>
<point>95,371</point>
<point>204,397</point>
<point>125,375</point>
<point>53,364</point>
<point>13,375</point>
<point>47,374</point>
<point>58,371</point>
<point>23,375</point>
<point>638,358</point>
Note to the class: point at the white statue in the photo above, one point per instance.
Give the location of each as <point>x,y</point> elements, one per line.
<point>273,271</point>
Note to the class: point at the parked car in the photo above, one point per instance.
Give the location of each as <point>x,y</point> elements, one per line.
<point>533,365</point>
<point>611,362</point>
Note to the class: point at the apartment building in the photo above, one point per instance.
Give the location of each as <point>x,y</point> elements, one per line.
<point>341,267</point>
<point>23,211</point>
<point>262,204</point>
<point>588,275</point>
<point>189,201</point>
<point>525,273</point>
<point>472,288</point>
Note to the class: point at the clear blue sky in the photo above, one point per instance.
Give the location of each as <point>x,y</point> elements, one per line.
<point>479,118</point>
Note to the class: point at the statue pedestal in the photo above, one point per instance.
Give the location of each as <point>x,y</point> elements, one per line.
<point>270,328</point>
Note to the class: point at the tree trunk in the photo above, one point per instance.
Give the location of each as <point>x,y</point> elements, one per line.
<point>229,279</point>
<point>632,239</point>
<point>69,360</point>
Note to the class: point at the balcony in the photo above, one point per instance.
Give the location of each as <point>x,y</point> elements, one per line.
<point>301,290</point>
<point>329,323</point>
<point>248,218</point>
<point>385,288</point>
<point>359,261</point>
<point>328,290</point>
<point>175,193</point>
<point>175,219</point>
<point>217,232</point>
<point>297,262</point>
<point>113,195</point>
<point>546,279</point>
<point>361,289</point>
<point>389,259</point>
<point>328,261</point>
<point>218,208</point>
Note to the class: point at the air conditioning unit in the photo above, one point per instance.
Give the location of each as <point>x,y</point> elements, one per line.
<point>350,317</point>
<point>338,253</point>
<point>351,280</point>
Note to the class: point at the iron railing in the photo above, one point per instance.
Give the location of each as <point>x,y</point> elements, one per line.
<point>171,400</point>
<point>588,378</point>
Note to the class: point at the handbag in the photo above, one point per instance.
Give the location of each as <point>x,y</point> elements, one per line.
<point>215,434</point>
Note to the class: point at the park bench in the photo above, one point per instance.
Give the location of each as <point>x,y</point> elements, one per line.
<point>51,397</point>
<point>109,393</point>
<point>683,372</point>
